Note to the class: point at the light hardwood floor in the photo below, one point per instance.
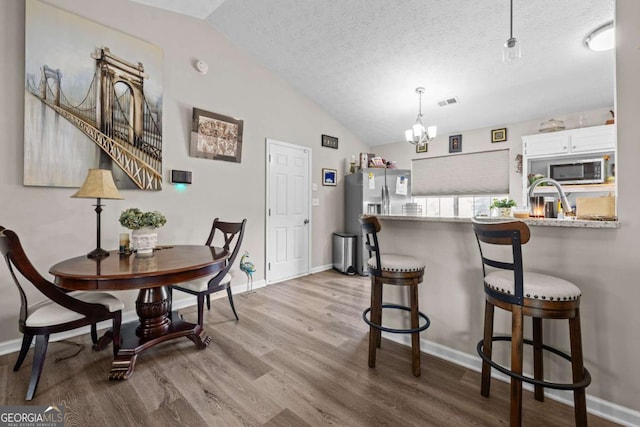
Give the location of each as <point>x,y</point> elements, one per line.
<point>297,357</point>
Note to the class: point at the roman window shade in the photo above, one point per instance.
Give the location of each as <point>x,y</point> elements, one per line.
<point>464,174</point>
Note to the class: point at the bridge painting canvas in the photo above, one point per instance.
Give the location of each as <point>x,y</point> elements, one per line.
<point>93,99</point>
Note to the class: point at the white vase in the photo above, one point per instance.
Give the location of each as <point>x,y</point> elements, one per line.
<point>143,240</point>
<point>503,212</point>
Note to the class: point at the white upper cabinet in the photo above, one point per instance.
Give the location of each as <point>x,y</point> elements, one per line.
<point>542,149</point>
<point>597,138</point>
<point>546,144</point>
<point>574,141</point>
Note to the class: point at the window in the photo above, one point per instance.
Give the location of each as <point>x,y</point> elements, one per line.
<point>484,173</point>
<point>457,206</point>
<point>460,186</point>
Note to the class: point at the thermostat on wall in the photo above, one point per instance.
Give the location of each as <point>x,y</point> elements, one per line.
<point>180,177</point>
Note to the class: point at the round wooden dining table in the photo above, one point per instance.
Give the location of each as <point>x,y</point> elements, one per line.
<point>151,275</point>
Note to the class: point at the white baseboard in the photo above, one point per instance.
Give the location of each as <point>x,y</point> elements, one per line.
<point>11,346</point>
<point>595,405</point>
<point>244,288</point>
<point>321,268</point>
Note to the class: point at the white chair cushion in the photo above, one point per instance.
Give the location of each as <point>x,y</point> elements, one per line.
<point>397,263</point>
<point>48,313</point>
<point>201,284</point>
<point>535,286</point>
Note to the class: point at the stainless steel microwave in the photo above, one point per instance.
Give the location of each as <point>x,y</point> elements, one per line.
<point>590,171</point>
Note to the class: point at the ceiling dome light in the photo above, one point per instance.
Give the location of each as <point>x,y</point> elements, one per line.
<point>602,38</point>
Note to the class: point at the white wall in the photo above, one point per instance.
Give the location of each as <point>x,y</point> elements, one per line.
<point>54,227</point>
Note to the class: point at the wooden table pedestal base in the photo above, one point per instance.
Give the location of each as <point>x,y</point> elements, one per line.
<point>156,325</point>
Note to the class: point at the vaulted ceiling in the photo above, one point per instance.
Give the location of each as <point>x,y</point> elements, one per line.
<point>361,60</point>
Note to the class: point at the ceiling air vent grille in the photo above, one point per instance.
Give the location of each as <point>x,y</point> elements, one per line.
<point>448,101</point>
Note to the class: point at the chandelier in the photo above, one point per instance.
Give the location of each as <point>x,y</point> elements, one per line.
<point>418,134</point>
<point>511,50</point>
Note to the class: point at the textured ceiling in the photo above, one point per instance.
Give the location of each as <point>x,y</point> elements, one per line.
<point>196,8</point>
<point>361,60</point>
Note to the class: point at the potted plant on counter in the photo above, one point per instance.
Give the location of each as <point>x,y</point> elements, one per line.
<point>143,225</point>
<point>503,207</point>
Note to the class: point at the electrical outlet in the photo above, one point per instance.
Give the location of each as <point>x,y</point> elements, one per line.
<point>314,187</point>
<point>315,202</point>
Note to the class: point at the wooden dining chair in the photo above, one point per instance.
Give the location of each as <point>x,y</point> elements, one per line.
<point>232,233</point>
<point>60,311</point>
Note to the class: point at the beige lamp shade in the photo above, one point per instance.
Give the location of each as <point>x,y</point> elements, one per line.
<point>99,184</point>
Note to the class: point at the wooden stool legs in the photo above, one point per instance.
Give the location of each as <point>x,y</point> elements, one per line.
<point>415,337</point>
<point>577,369</point>
<point>376,318</point>
<point>538,367</point>
<point>487,347</point>
<point>516,365</point>
<point>579,373</point>
<point>375,334</point>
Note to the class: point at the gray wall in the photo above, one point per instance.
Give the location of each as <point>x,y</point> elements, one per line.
<point>53,226</point>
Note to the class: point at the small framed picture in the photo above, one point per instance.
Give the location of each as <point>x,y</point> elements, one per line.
<point>455,143</point>
<point>329,141</point>
<point>422,148</point>
<point>499,135</point>
<point>329,176</point>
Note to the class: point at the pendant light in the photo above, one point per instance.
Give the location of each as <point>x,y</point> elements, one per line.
<point>418,134</point>
<point>511,50</point>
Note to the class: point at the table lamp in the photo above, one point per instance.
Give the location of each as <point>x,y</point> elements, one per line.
<point>99,184</point>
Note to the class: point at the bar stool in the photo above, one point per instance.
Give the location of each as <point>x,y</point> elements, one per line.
<point>400,270</point>
<point>539,296</point>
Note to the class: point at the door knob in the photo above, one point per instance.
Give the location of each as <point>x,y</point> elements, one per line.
<point>306,221</point>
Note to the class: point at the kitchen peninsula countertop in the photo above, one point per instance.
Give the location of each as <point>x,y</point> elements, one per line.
<point>545,222</point>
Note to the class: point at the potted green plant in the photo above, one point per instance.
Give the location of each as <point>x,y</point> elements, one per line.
<point>503,207</point>
<point>143,225</point>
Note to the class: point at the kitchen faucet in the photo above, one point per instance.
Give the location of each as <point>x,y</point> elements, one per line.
<point>566,207</point>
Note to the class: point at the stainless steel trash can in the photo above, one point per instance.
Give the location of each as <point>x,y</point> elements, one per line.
<point>344,252</point>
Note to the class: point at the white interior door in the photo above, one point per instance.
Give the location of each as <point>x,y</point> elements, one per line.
<point>288,211</point>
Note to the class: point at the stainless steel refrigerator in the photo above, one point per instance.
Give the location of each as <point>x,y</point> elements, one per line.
<point>365,193</point>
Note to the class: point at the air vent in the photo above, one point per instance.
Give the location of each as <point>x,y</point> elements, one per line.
<point>448,101</point>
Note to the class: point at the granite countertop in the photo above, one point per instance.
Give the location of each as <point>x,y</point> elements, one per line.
<point>544,222</point>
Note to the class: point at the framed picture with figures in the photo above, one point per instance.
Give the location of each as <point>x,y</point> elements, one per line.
<point>216,137</point>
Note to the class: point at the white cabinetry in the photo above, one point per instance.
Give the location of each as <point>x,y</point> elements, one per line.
<point>594,139</point>
<point>574,141</point>
<point>569,145</point>
<point>546,144</point>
